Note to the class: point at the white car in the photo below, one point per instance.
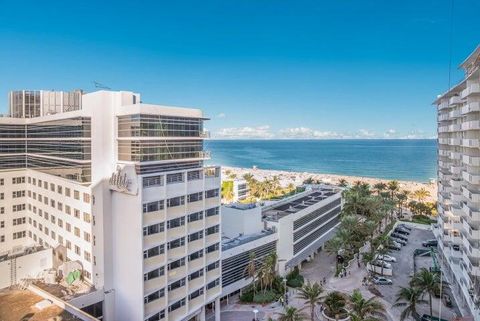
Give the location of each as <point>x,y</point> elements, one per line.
<point>382,263</point>
<point>386,258</point>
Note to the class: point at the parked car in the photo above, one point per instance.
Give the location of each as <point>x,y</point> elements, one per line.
<point>381,280</point>
<point>386,258</point>
<point>395,246</point>
<point>427,317</point>
<point>430,243</point>
<point>383,264</point>
<point>401,242</point>
<point>405,226</point>
<point>399,236</point>
<point>402,231</point>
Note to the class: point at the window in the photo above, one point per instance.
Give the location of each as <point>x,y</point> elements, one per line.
<point>86,198</point>
<point>52,187</point>
<point>195,197</point>
<point>153,206</point>
<point>87,217</point>
<point>87,256</point>
<point>195,275</point>
<point>52,235</point>
<point>60,222</point>
<point>213,248</point>
<point>154,296</point>
<point>76,213</point>
<point>195,255</point>
<point>18,207</point>
<point>157,317</point>
<point>67,192</point>
<point>45,200</point>
<point>77,250</point>
<point>153,229</point>
<point>59,189</point>
<point>194,175</point>
<point>68,227</point>
<point>152,181</point>
<point>19,235</point>
<point>175,178</point>
<point>15,194</point>
<point>2,238</point>
<point>176,201</point>
<point>19,221</point>
<point>213,284</point>
<point>76,194</point>
<point>176,222</point>
<point>212,211</point>
<point>176,264</point>
<point>154,251</point>
<point>52,203</point>
<point>76,231</point>
<point>60,239</point>
<point>212,230</point>
<point>46,215</point>
<point>59,206</point>
<point>2,224</point>
<point>68,244</point>
<point>213,266</point>
<point>195,236</point>
<point>2,210</point>
<point>176,243</point>
<point>68,210</point>
<point>2,181</point>
<point>52,219</point>
<point>18,180</point>
<point>195,294</point>
<point>2,196</point>
<point>39,183</point>
<point>176,285</point>
<point>45,185</point>
<point>195,217</point>
<point>211,193</point>
<point>86,236</point>
<point>154,274</point>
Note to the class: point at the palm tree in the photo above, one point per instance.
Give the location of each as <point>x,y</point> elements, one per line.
<point>409,298</point>
<point>333,246</point>
<point>251,270</point>
<point>428,282</point>
<point>291,314</point>
<point>365,310</point>
<point>342,182</point>
<point>379,187</point>
<point>248,177</point>
<point>402,198</point>
<point>393,187</point>
<point>311,294</point>
<point>267,272</point>
<point>335,303</point>
<point>421,194</point>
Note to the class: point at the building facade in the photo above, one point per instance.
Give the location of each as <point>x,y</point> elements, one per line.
<point>458,229</point>
<point>122,186</point>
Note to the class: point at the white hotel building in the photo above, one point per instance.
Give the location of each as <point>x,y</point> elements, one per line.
<point>458,229</point>
<point>121,187</point>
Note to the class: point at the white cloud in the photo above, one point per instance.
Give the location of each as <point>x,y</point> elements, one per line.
<point>304,133</point>
<point>245,132</point>
<point>221,115</point>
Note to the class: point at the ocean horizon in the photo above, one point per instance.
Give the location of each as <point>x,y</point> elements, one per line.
<point>396,159</point>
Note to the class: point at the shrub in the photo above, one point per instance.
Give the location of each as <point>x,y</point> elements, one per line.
<point>247,297</point>
<point>267,297</point>
<point>422,219</point>
<point>294,279</point>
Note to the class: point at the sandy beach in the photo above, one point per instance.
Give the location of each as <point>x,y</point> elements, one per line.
<point>297,178</point>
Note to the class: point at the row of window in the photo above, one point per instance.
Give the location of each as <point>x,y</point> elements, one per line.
<point>59,206</point>
<point>179,200</point>
<point>65,191</point>
<point>15,236</point>
<point>158,180</point>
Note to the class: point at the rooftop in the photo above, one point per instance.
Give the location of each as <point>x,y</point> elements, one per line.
<point>20,305</point>
<point>295,204</point>
<point>228,243</point>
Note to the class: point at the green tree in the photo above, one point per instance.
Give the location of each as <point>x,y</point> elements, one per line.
<point>421,194</point>
<point>409,298</point>
<point>291,314</point>
<point>251,270</point>
<point>342,183</point>
<point>335,303</point>
<point>312,295</point>
<point>429,283</point>
<point>362,309</point>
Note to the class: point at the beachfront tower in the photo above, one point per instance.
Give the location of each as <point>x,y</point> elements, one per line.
<point>458,229</point>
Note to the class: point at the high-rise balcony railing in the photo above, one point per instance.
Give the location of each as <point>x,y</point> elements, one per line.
<point>471,107</point>
<point>443,141</point>
<point>471,194</point>
<point>455,155</point>
<point>471,125</point>
<point>154,284</point>
<point>454,141</point>
<point>443,152</point>
<point>155,306</point>
<point>443,117</point>
<point>443,105</point>
<point>471,89</point>
<point>443,129</point>
<point>471,160</point>
<point>454,128</point>
<point>472,214</point>
<point>471,178</point>
<point>455,114</point>
<point>455,100</point>
<point>204,134</point>
<point>472,143</point>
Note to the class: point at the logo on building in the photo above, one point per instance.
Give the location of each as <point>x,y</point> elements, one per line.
<point>124,180</point>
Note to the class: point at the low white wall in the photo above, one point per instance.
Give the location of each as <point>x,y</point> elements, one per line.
<point>62,304</point>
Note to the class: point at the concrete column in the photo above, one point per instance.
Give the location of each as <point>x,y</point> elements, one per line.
<point>202,314</point>
<point>217,309</point>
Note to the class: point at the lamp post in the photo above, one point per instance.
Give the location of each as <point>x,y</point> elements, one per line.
<point>255,311</point>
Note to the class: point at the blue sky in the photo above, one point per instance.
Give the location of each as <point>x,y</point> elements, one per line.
<point>258,68</point>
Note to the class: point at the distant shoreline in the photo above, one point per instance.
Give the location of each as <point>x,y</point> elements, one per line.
<point>297,178</point>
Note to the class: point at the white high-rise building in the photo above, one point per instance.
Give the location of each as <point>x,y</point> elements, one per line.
<point>458,229</point>
<point>121,186</point>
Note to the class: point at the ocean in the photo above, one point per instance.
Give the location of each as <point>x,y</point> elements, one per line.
<point>412,160</point>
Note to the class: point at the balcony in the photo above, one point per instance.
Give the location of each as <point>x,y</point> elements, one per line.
<point>212,220</point>
<point>204,134</point>
<point>454,141</point>
<point>471,125</point>
<point>177,294</point>
<point>213,292</point>
<point>456,198</point>
<point>471,194</point>
<point>444,152</point>
<point>443,129</point>
<point>471,160</point>
<point>175,211</point>
<point>443,117</point>
<point>457,169</point>
<point>472,143</point>
<point>195,303</point>
<point>153,217</point>
<point>472,214</point>
<point>443,141</point>
<point>212,202</point>
<point>443,105</point>
<point>457,211</point>
<point>195,245</point>
<point>456,183</point>
<point>472,179</point>
<point>195,283</point>
<point>155,306</point>
<point>454,128</point>
<point>154,284</point>
<point>194,207</point>
<point>195,226</point>
<point>475,271</point>
<point>153,261</point>
<point>471,107</point>
<point>153,239</point>
<point>455,155</point>
<point>455,100</point>
<point>213,256</point>
<point>213,274</point>
<point>455,114</point>
<point>212,239</point>
<point>472,89</point>
<point>177,253</point>
<point>177,273</point>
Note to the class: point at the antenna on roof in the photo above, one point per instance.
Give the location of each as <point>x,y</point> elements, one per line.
<point>101,86</point>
